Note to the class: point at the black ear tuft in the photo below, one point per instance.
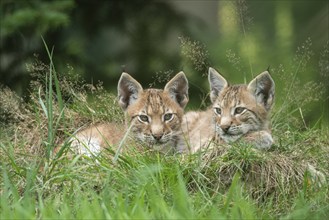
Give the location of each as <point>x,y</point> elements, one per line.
<point>263,88</point>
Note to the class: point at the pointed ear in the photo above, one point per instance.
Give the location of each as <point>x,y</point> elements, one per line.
<point>177,88</point>
<point>263,88</point>
<point>217,83</point>
<point>128,90</point>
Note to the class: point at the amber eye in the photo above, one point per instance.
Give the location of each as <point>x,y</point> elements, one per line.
<point>168,117</point>
<point>143,118</point>
<point>239,110</point>
<point>218,111</point>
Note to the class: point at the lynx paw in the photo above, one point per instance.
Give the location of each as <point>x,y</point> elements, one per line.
<point>260,139</point>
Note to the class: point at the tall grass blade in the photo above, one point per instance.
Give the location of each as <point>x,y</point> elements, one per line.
<point>56,81</point>
<point>116,156</point>
<point>43,106</point>
<point>49,100</point>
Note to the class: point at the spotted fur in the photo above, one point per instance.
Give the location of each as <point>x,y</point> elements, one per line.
<point>153,117</point>
<point>237,112</point>
<point>242,110</point>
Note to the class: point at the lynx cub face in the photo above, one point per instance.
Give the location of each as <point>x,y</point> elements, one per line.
<point>154,115</point>
<point>242,110</point>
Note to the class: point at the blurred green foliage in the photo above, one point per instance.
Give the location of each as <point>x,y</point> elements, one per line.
<point>37,17</point>
<point>151,39</point>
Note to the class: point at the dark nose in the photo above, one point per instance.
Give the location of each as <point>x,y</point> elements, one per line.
<point>157,136</point>
<point>225,128</point>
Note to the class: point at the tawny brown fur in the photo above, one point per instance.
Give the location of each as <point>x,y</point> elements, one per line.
<point>153,119</point>
<point>198,129</point>
<point>238,112</point>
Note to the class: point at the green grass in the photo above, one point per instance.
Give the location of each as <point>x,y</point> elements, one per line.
<point>153,186</point>
<point>222,183</point>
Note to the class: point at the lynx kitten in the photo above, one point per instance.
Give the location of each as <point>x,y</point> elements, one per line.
<point>237,112</point>
<point>153,117</point>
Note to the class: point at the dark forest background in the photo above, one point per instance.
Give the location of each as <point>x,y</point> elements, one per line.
<point>152,39</point>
